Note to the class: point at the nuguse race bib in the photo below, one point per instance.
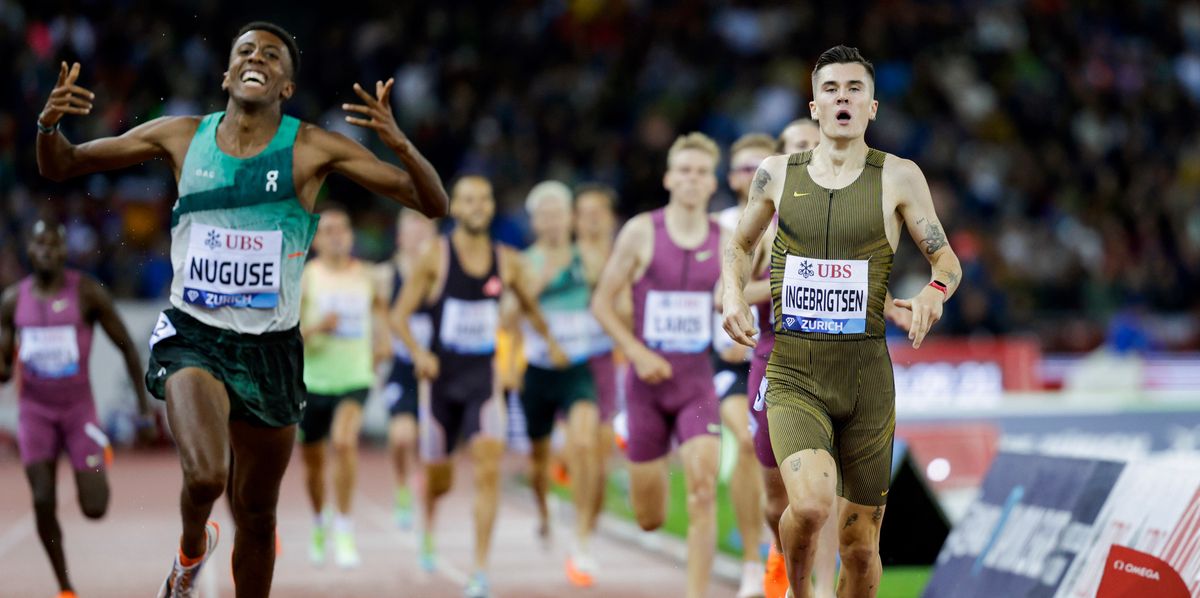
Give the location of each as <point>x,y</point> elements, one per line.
<point>233,268</point>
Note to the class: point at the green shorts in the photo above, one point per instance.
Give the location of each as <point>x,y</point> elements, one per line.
<point>840,397</point>
<point>549,393</point>
<point>263,373</point>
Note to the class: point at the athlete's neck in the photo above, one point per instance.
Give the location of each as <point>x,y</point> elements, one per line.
<point>684,215</point>
<point>246,129</point>
<point>48,283</point>
<point>839,155</point>
<point>337,262</point>
<point>595,242</point>
<point>467,240</point>
<point>553,245</point>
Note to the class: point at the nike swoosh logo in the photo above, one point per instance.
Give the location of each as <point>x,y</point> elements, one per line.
<point>59,305</point>
<point>703,256</point>
<point>794,194</point>
<point>884,493</point>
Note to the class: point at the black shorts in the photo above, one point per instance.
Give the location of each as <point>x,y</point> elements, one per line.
<point>550,393</point>
<point>318,415</point>
<point>730,379</point>
<point>263,373</point>
<point>462,404</point>
<point>400,390</point>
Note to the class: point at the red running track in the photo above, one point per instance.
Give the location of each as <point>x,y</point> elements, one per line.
<point>126,554</point>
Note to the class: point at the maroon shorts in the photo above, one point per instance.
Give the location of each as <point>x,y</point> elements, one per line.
<point>46,429</point>
<point>759,429</point>
<point>604,376</point>
<point>681,408</point>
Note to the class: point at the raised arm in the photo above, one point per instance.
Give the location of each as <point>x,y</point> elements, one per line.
<point>915,205</point>
<point>735,271</point>
<point>59,159</point>
<point>418,187</point>
<point>8,309</point>
<point>102,311</point>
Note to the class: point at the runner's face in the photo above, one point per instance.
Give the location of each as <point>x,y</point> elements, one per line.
<point>413,229</point>
<point>334,238</point>
<point>473,206</point>
<point>47,249</point>
<point>260,69</point>
<point>593,217</point>
<point>844,100</point>
<point>742,167</point>
<point>551,221</point>
<point>800,138</point>
<point>691,178</point>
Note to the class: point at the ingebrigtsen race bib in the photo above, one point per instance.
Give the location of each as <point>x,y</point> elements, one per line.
<point>469,327</point>
<point>233,268</point>
<point>353,313</point>
<point>678,321</point>
<point>49,351</point>
<point>828,296</point>
<point>572,329</point>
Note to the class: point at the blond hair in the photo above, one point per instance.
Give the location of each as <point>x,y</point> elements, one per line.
<point>695,141</point>
<point>548,191</point>
<point>759,141</point>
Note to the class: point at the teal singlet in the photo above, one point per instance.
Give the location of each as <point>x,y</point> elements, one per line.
<point>239,234</point>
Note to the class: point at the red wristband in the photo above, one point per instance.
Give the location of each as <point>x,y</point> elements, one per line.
<point>939,286</point>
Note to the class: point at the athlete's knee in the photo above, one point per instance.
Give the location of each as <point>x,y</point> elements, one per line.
<point>258,521</point>
<point>95,505</point>
<point>701,494</point>
<point>205,485</point>
<point>858,551</point>
<point>650,519</point>
<point>44,500</point>
<point>809,514</point>
<point>439,478</point>
<point>345,448</point>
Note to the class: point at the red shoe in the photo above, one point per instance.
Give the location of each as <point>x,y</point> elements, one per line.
<point>66,594</point>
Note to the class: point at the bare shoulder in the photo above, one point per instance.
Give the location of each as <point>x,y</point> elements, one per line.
<point>8,299</point>
<point>901,171</point>
<point>774,165</point>
<point>638,229</point>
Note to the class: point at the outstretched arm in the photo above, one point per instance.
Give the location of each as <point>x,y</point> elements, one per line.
<point>760,208</point>
<point>8,308</point>
<point>100,307</point>
<point>418,187</point>
<point>916,207</point>
<point>59,159</point>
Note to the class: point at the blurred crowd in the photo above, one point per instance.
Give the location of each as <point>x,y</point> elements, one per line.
<point>1059,139</point>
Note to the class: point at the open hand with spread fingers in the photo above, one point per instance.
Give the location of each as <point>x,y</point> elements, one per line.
<point>377,111</point>
<point>66,97</point>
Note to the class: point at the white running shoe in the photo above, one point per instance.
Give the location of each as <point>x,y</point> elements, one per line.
<point>345,551</point>
<point>752,581</point>
<point>181,582</point>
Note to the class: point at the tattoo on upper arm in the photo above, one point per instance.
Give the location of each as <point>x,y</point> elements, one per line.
<point>761,178</point>
<point>934,239</point>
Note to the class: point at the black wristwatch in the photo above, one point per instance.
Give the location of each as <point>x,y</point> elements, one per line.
<point>44,130</point>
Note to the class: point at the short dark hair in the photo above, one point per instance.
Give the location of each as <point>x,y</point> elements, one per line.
<point>843,55</point>
<point>281,33</point>
<point>601,189</point>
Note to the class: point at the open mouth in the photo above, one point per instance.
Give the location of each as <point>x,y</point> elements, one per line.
<point>252,78</point>
<point>843,116</point>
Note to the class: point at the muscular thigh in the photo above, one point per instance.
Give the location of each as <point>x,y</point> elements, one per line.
<point>865,439</point>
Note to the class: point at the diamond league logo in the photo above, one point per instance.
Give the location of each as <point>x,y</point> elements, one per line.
<point>214,239</point>
<point>192,295</point>
<point>806,269</point>
<point>790,321</point>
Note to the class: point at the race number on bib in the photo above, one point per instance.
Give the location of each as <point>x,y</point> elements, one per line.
<point>469,327</point>
<point>678,321</point>
<point>49,351</point>
<point>353,313</point>
<point>828,296</point>
<point>233,268</point>
<point>572,329</point>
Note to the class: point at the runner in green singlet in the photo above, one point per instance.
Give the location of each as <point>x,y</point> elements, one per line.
<point>227,356</point>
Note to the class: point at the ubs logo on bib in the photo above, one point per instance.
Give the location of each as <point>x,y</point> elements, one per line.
<point>213,240</point>
<point>806,269</point>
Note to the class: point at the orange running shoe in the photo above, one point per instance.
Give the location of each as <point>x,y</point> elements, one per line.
<point>66,594</point>
<point>775,581</point>
<point>578,576</point>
